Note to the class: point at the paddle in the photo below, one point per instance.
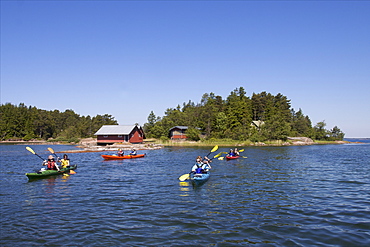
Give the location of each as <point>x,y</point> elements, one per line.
<point>31,150</point>
<point>214,149</point>
<point>52,151</point>
<point>216,156</point>
<point>187,175</point>
<point>184,177</point>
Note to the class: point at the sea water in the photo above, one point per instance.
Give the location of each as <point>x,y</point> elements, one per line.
<point>315,195</point>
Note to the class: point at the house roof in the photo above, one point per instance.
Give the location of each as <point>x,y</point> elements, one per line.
<point>115,130</point>
<point>180,127</point>
<point>258,123</point>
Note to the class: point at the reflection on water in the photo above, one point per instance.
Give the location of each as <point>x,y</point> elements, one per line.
<point>184,187</point>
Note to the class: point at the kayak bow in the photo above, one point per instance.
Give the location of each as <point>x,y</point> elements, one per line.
<point>199,178</point>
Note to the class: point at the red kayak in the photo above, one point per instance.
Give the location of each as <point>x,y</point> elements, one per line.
<point>115,157</point>
<point>232,157</point>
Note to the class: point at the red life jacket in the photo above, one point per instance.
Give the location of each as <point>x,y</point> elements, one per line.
<point>51,165</point>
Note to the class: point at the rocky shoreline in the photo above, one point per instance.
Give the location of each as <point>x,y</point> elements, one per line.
<point>90,144</point>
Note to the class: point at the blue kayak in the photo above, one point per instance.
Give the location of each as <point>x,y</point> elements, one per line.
<point>199,178</point>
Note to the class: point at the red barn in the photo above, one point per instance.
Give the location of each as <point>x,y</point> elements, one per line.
<point>109,134</point>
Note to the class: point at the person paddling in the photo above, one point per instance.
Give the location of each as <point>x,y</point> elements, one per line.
<point>231,153</point>
<point>133,152</point>
<point>65,161</point>
<point>120,152</point>
<point>201,166</point>
<point>197,167</point>
<point>51,164</point>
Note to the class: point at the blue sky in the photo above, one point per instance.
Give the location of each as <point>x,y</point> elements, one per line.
<point>128,58</point>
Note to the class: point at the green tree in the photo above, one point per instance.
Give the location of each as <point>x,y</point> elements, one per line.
<point>22,122</point>
<point>336,134</point>
<point>301,124</point>
<point>148,127</point>
<point>193,134</point>
<point>320,132</point>
<point>232,118</point>
<point>238,109</point>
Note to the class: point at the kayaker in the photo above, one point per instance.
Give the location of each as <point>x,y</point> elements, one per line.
<point>236,152</point>
<point>65,161</point>
<point>120,152</point>
<point>201,166</point>
<point>50,163</point>
<point>133,152</point>
<point>231,153</point>
<point>197,167</point>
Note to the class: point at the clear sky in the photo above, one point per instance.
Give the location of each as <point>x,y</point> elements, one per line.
<point>128,58</point>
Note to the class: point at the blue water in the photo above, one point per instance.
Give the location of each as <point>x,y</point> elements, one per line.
<point>278,196</point>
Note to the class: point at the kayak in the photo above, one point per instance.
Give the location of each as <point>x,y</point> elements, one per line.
<point>232,157</point>
<point>199,178</point>
<point>47,173</point>
<point>116,157</point>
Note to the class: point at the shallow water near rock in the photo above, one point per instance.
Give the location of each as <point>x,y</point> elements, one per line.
<point>279,196</point>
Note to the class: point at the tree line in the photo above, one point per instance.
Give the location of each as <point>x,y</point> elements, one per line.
<point>28,123</point>
<point>258,118</point>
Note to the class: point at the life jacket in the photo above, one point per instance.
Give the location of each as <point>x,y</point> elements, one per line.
<point>199,169</point>
<point>51,165</point>
<point>65,163</point>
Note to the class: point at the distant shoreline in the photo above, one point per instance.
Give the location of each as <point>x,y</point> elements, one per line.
<point>90,145</point>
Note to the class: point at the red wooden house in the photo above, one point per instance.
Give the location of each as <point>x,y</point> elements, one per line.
<point>178,133</point>
<point>109,134</point>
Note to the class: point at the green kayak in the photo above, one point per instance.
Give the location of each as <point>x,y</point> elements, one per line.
<point>47,173</point>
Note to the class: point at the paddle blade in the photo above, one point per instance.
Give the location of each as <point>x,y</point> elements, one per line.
<point>72,172</point>
<point>51,150</point>
<point>31,150</point>
<point>184,177</point>
<point>217,155</point>
<point>241,150</point>
<point>214,149</point>
<point>221,158</point>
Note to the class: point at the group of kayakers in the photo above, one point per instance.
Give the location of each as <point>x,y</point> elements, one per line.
<point>51,164</point>
<point>120,152</point>
<point>203,165</point>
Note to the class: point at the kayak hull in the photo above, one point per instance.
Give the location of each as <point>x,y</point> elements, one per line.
<point>115,157</point>
<point>199,178</point>
<point>232,157</point>
<point>48,173</point>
